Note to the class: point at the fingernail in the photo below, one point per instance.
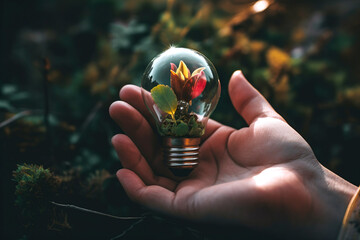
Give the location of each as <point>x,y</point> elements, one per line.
<point>241,73</point>
<point>238,72</point>
<point>121,92</point>
<point>113,139</point>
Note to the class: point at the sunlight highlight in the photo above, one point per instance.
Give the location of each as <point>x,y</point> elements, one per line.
<point>260,6</point>
<point>271,176</point>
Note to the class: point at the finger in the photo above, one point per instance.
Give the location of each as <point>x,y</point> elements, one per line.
<point>248,102</point>
<point>136,127</point>
<point>154,197</point>
<point>132,159</point>
<point>132,95</point>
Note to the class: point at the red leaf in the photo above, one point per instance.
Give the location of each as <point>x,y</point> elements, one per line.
<point>176,84</point>
<point>194,86</point>
<point>173,67</point>
<point>200,85</point>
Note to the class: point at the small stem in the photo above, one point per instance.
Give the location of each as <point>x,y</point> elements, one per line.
<point>94,212</point>
<point>17,116</point>
<point>46,69</point>
<point>46,93</point>
<point>128,229</point>
<point>89,119</point>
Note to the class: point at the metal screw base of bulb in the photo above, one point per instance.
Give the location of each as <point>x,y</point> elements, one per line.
<point>181,155</point>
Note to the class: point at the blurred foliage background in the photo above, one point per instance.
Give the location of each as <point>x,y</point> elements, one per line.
<point>63,63</point>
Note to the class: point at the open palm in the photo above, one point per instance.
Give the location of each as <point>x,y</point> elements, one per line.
<point>261,176</point>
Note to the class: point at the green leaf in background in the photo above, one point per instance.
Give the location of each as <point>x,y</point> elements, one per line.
<point>165,99</point>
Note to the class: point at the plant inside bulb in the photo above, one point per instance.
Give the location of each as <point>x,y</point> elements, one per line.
<point>177,99</point>
<point>181,89</point>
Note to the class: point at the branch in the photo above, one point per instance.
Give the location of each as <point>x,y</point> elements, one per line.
<point>49,140</point>
<point>88,120</point>
<point>128,229</point>
<point>95,212</point>
<point>18,116</point>
<point>92,115</point>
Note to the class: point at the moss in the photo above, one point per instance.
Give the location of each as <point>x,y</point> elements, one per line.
<point>35,188</point>
<point>185,125</point>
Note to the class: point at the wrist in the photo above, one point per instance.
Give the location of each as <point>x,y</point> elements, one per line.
<point>350,225</point>
<point>333,198</point>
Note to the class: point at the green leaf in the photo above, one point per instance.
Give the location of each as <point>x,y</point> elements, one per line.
<point>181,129</point>
<point>165,99</point>
<point>165,127</point>
<point>192,121</point>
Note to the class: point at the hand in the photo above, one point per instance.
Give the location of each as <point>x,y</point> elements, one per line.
<point>264,176</point>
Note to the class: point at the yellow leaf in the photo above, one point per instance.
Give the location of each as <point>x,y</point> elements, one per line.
<point>165,99</point>
<point>183,69</point>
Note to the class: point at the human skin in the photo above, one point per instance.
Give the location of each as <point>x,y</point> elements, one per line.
<point>264,176</point>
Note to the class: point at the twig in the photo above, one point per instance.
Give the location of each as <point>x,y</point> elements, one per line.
<point>94,212</point>
<point>46,69</point>
<point>128,229</point>
<point>49,142</point>
<point>18,116</point>
<point>89,119</point>
<point>92,114</point>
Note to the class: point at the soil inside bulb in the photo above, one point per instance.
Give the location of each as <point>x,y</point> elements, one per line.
<point>185,124</point>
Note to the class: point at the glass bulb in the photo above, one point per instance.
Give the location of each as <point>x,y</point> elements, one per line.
<point>181,88</point>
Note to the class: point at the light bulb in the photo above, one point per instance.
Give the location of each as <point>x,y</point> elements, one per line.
<point>180,88</point>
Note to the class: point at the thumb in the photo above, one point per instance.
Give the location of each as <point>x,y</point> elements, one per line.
<point>248,102</point>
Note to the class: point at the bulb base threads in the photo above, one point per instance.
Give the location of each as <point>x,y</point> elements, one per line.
<point>181,155</point>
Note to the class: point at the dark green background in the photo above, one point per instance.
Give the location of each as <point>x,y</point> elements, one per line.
<point>95,47</point>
